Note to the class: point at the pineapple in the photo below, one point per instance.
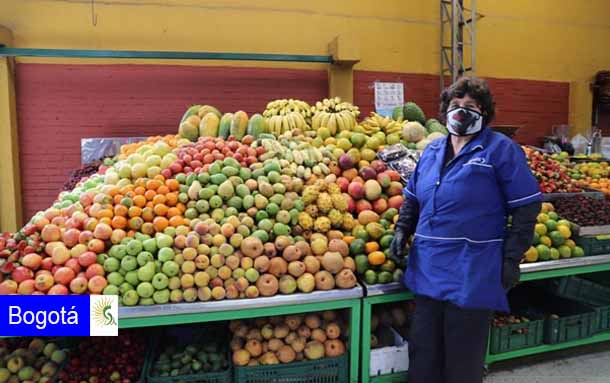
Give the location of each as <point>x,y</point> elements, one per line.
<point>312,210</point>
<point>339,202</point>
<point>322,224</point>
<point>333,189</point>
<point>310,194</point>
<point>336,218</point>
<point>325,203</point>
<point>305,221</point>
<point>349,222</point>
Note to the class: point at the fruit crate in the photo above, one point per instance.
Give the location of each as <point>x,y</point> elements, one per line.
<point>391,359</point>
<point>597,245</point>
<point>327,370</point>
<point>516,336</point>
<point>184,335</point>
<point>587,292</point>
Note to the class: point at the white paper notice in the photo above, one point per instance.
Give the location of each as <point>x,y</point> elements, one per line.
<point>388,95</point>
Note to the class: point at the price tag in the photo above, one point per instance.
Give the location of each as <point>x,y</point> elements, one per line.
<point>388,95</point>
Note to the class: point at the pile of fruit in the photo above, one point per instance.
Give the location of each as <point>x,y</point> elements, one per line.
<point>552,176</point>
<point>552,237</point>
<point>504,320</point>
<point>584,211</point>
<point>287,339</point>
<point>199,354</point>
<point>106,359</point>
<point>35,360</point>
<point>395,316</point>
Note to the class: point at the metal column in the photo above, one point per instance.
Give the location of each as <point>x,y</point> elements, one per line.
<point>458,39</point>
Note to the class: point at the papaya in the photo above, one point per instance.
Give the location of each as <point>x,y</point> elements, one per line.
<point>205,109</point>
<point>192,111</point>
<point>188,131</point>
<point>208,127</point>
<point>257,125</point>
<point>225,125</point>
<point>239,124</point>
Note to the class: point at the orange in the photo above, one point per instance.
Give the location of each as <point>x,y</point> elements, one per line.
<point>135,223</point>
<point>160,223</point>
<point>148,214</point>
<point>173,184</point>
<point>376,258</point>
<point>140,190</point>
<point>348,239</point>
<point>140,182</point>
<point>160,178</point>
<point>120,210</point>
<point>105,213</point>
<point>113,190</point>
<point>117,199</point>
<point>172,199</point>
<point>181,207</point>
<point>159,199</point>
<point>162,189</point>
<point>150,194</point>
<point>173,211</point>
<point>119,222</point>
<point>160,209</point>
<point>371,247</point>
<point>152,184</point>
<point>105,220</point>
<point>176,221</point>
<point>139,200</point>
<point>131,233</point>
<point>134,211</point>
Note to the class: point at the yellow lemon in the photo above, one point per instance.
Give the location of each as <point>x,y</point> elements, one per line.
<point>543,217</point>
<point>531,255</point>
<point>565,231</point>
<point>546,241</point>
<point>541,229</point>
<point>570,243</point>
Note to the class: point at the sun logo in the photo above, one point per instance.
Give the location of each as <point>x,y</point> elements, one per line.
<point>101,313</point>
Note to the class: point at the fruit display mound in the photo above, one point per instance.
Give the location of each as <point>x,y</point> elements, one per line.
<point>584,211</point>
<point>550,173</point>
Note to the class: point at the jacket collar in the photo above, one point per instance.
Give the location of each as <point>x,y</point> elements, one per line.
<point>478,142</point>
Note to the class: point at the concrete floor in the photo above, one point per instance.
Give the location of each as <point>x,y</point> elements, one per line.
<point>581,365</point>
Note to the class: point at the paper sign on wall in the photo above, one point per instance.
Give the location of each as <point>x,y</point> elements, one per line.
<point>388,95</point>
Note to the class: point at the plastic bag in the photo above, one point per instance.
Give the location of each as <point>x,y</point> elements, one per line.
<point>579,142</point>
<point>93,149</point>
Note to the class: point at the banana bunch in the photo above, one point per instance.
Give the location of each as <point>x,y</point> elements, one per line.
<point>286,123</point>
<point>335,105</point>
<point>334,121</point>
<point>283,107</point>
<point>376,123</point>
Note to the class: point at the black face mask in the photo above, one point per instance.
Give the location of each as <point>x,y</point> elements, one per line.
<point>464,121</point>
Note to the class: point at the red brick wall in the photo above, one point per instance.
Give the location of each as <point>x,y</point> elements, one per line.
<point>57,105</point>
<point>536,105</point>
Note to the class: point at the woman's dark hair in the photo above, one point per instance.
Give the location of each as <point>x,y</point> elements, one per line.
<point>478,89</point>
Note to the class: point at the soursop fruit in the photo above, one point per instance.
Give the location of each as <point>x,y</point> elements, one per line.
<point>325,203</point>
<point>339,202</point>
<point>305,221</point>
<point>322,224</point>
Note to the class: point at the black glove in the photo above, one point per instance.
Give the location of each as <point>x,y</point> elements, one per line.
<point>398,247</point>
<point>510,274</point>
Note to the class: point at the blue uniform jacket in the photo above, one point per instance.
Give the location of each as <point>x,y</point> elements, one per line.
<point>457,251</point>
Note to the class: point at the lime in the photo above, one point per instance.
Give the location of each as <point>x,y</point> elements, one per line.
<point>358,139</point>
<point>370,277</point>
<point>577,251</point>
<point>362,263</point>
<point>531,255</point>
<point>554,253</point>
<point>565,231</point>
<point>393,139</point>
<point>388,265</point>
<point>540,229</point>
<point>344,143</point>
<point>544,253</point>
<point>565,251</point>
<point>552,215</point>
<point>556,238</point>
<point>544,240</point>
<point>323,133</point>
<point>385,277</point>
<point>551,225</point>
<point>543,217</point>
<point>570,243</point>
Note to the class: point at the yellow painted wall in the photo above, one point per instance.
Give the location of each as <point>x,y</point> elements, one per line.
<point>558,40</point>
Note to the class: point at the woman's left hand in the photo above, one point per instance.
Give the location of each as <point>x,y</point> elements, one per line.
<point>510,274</point>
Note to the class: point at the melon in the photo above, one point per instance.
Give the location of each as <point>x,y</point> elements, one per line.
<point>421,145</point>
<point>192,111</point>
<point>188,131</point>
<point>205,109</point>
<point>435,136</point>
<point>413,131</point>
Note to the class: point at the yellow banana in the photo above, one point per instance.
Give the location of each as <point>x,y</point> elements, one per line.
<point>332,124</point>
<point>325,118</point>
<point>315,121</point>
<point>340,122</point>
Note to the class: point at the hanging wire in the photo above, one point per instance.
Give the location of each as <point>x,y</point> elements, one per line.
<point>93,14</point>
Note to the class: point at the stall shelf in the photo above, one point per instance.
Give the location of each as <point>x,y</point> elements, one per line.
<point>181,313</point>
<point>395,292</point>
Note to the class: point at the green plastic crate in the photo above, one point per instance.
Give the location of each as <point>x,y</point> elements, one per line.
<point>327,370</point>
<point>516,336</point>
<point>590,293</point>
<point>576,321</point>
<point>594,245</point>
<point>184,334</point>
